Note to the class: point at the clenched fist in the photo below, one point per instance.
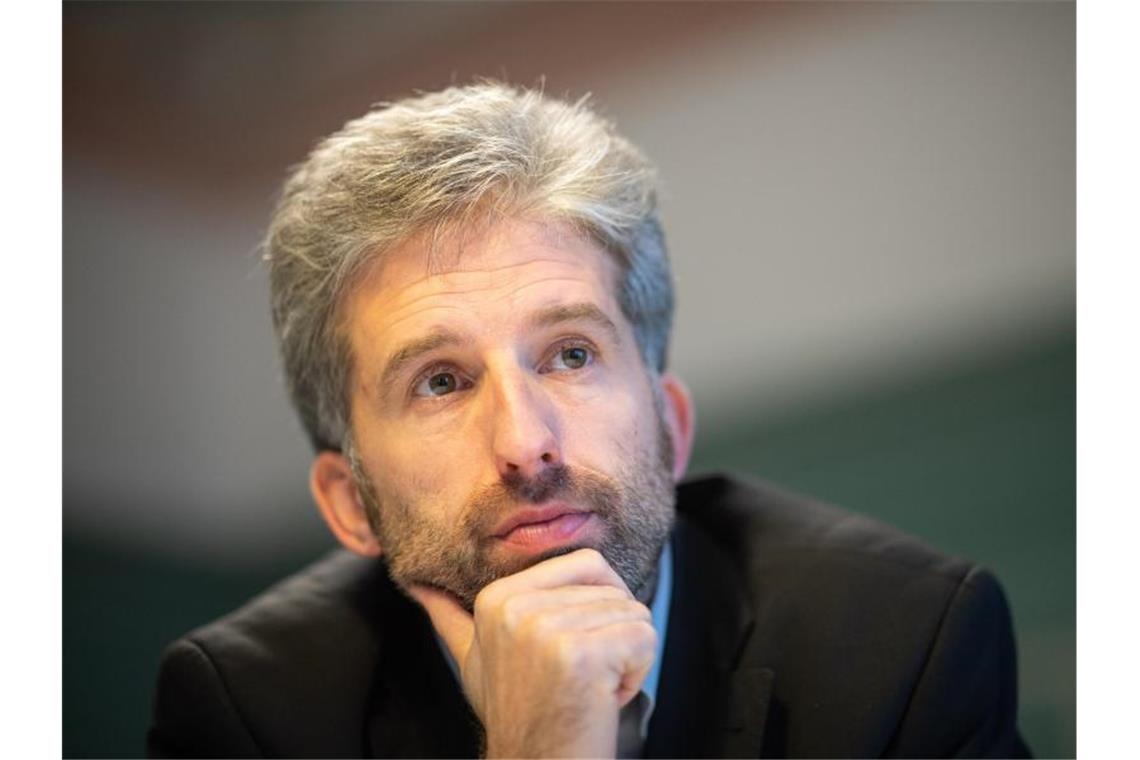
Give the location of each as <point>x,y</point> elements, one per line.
<point>550,656</point>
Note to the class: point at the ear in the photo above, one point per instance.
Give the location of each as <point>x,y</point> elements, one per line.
<point>679,416</point>
<point>334,490</point>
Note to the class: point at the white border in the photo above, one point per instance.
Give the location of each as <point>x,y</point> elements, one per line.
<point>31,380</point>
<point>1108,212</point>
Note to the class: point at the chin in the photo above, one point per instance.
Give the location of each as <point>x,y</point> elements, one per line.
<point>517,563</point>
<point>558,551</point>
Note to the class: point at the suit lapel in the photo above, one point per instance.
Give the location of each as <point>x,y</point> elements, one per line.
<point>712,700</point>
<point>418,708</point>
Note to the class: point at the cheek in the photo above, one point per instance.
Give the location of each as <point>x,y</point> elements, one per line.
<point>615,424</point>
<point>429,474</point>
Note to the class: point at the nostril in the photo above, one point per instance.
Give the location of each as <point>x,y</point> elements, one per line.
<point>547,457</point>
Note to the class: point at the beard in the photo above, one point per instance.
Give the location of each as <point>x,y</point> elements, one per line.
<point>636,506</point>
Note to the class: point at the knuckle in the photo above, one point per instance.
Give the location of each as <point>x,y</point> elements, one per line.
<point>535,626</point>
<point>630,609</point>
<point>647,634</point>
<point>593,557</point>
<point>642,611</point>
<point>571,654</point>
<point>512,613</point>
<point>486,601</point>
<point>625,608</point>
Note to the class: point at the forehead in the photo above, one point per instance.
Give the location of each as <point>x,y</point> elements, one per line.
<point>479,280</point>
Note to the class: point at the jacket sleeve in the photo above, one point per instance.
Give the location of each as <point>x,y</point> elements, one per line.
<point>965,701</point>
<point>194,715</point>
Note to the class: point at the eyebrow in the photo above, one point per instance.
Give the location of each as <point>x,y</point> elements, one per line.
<point>575,312</point>
<point>411,351</point>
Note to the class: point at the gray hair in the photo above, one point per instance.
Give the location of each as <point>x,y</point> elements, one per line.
<point>444,161</point>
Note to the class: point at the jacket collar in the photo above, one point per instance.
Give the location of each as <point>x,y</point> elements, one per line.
<point>712,698</point>
<point>417,707</point>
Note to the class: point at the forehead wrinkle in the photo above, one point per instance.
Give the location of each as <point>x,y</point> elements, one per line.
<point>542,281</point>
<point>373,331</point>
<point>460,270</point>
<point>397,319</point>
<point>459,294</point>
<point>452,288</point>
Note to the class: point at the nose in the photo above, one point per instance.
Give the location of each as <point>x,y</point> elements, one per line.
<point>524,438</point>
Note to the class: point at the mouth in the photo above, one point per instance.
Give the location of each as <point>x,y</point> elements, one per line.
<point>544,527</point>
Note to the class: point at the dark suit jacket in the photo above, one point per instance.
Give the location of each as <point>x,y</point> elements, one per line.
<point>796,629</point>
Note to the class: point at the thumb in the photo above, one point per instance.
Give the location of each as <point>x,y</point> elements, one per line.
<point>453,623</point>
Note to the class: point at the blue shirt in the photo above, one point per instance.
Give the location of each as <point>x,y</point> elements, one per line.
<point>660,609</point>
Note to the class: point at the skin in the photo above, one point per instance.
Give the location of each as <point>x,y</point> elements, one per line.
<point>554,641</point>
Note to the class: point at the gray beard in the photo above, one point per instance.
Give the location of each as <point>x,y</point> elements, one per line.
<point>637,509</point>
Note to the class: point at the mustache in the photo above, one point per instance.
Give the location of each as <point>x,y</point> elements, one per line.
<point>488,506</point>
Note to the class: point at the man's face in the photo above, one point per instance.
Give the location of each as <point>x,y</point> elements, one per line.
<point>501,413</point>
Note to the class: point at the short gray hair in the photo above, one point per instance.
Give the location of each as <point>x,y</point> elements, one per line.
<point>434,162</point>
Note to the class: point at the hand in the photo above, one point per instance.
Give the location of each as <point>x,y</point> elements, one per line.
<point>550,656</point>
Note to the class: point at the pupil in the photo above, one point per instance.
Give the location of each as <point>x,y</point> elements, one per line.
<point>575,357</point>
<point>442,382</point>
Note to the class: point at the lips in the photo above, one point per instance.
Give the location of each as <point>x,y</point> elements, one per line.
<point>531,519</point>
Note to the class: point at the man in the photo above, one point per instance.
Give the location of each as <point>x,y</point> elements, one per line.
<point>473,303</point>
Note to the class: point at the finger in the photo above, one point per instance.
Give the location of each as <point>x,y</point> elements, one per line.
<point>526,603</point>
<point>585,567</point>
<point>453,623</point>
<point>631,683</point>
<point>631,648</point>
<point>588,615</point>
<point>585,615</point>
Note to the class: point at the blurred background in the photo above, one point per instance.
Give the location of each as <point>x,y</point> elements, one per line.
<point>870,209</point>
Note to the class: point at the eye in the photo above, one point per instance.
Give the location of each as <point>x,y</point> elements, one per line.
<point>570,357</point>
<point>437,384</point>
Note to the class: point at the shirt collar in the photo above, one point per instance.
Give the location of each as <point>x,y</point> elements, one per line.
<point>660,612</point>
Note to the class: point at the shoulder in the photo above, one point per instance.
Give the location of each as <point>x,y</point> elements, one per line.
<point>764,531</point>
<point>786,550</point>
<point>858,619</point>
<point>290,668</point>
<point>334,605</point>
